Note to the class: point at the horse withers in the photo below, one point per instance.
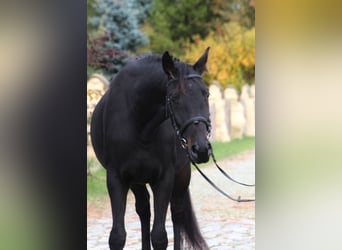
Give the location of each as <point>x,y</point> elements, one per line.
<point>147,128</point>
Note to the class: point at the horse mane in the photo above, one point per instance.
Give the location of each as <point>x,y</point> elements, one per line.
<point>157,59</point>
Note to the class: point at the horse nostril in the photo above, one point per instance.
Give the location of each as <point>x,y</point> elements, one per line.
<point>195,148</point>
<point>200,154</point>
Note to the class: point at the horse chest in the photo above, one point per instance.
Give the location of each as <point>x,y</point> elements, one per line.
<point>142,166</point>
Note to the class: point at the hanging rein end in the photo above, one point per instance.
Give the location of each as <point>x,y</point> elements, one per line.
<point>244,200</point>
<point>224,173</point>
<point>238,199</point>
<point>217,188</point>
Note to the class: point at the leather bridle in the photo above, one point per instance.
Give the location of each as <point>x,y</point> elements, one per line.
<point>180,129</point>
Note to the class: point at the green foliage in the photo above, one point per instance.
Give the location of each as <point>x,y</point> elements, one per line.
<point>104,60</point>
<point>91,70</point>
<point>240,11</point>
<point>90,14</point>
<point>114,32</point>
<point>119,21</point>
<point>172,25</point>
<point>174,22</point>
<point>142,9</point>
<point>118,29</point>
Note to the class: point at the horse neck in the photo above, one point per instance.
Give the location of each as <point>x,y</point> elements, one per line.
<point>149,108</point>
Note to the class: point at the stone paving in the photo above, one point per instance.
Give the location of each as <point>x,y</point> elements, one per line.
<point>225,224</point>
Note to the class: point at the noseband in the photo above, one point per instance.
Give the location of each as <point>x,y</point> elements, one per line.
<point>180,129</point>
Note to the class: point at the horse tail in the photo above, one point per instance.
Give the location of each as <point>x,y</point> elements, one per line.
<point>190,233</point>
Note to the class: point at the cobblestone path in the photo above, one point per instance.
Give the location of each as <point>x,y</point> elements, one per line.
<point>224,224</point>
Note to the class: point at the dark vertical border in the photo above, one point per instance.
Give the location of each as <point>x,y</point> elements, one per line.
<point>47,133</point>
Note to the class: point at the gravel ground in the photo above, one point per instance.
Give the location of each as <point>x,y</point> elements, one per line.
<point>225,224</point>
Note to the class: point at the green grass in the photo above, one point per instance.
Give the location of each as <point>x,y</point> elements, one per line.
<point>225,149</point>
<point>96,183</point>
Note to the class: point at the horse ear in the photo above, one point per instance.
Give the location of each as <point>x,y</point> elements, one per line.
<point>168,65</point>
<point>201,65</point>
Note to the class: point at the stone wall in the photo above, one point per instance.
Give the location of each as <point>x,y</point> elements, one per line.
<point>97,85</point>
<point>232,116</point>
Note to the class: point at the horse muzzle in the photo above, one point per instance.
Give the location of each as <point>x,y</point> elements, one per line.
<point>199,153</point>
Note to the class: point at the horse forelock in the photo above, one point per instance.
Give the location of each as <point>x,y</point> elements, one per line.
<point>182,73</point>
<point>183,70</point>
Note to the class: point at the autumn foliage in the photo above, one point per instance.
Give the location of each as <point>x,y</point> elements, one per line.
<point>232,54</point>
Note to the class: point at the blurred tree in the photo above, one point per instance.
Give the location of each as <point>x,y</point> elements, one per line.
<point>102,59</point>
<point>252,3</point>
<point>90,14</point>
<point>115,32</point>
<point>174,22</point>
<point>240,11</point>
<point>142,9</point>
<point>119,21</point>
<point>232,55</point>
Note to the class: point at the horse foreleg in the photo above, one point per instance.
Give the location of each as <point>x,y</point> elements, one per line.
<point>161,194</point>
<point>142,206</point>
<point>118,193</point>
<point>177,215</point>
<point>182,180</point>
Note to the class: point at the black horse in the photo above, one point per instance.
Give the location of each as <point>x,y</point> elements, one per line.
<point>147,128</point>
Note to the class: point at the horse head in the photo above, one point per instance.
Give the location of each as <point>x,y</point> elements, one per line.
<point>187,105</point>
